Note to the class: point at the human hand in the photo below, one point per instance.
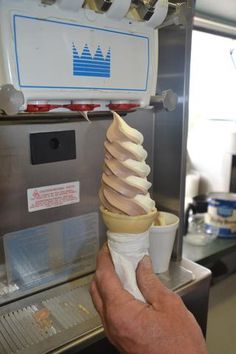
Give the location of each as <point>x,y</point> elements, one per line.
<point>161,326</point>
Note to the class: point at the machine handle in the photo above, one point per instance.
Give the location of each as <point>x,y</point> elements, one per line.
<point>118,9</point>
<point>166,101</point>
<point>10,99</point>
<point>159,15</point>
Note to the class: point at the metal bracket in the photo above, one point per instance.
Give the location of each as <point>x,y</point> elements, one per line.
<point>178,17</point>
<point>167,101</point>
<point>145,10</point>
<point>103,5</point>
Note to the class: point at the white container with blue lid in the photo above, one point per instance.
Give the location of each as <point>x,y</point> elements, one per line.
<point>221,214</point>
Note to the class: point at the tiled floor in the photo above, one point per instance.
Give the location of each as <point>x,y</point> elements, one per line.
<point>221,333</point>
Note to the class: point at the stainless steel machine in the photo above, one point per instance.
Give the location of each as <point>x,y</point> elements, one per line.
<point>61,62</point>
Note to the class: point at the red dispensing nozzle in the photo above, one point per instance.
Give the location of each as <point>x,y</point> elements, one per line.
<point>122,106</point>
<point>81,106</point>
<point>40,108</point>
<point>34,108</point>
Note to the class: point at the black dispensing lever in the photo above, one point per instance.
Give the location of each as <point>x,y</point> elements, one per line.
<point>167,101</point>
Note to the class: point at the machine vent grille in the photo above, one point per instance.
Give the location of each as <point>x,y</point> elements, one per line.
<point>25,329</point>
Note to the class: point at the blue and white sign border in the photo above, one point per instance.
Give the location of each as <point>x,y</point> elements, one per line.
<point>23,85</point>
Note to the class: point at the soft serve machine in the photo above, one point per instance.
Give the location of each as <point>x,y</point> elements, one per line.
<point>61,62</point>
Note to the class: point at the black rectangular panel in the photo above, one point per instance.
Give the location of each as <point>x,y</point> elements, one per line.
<point>52,146</point>
<point>233,175</point>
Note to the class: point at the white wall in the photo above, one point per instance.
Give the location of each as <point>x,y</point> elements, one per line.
<point>212,110</point>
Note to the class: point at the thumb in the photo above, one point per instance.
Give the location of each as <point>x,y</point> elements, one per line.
<point>149,284</point>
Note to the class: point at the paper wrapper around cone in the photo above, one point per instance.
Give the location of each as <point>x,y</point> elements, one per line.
<point>126,224</point>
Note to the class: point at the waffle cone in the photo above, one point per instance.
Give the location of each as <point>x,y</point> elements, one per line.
<point>120,223</point>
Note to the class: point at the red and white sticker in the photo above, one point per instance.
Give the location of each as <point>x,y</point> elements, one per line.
<point>53,196</point>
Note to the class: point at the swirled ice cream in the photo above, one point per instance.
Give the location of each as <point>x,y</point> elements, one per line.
<point>124,188</point>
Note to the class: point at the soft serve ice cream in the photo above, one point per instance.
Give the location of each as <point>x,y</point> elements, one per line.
<point>124,188</point>
<point>127,209</point>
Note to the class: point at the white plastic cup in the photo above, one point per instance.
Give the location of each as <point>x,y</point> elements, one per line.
<point>161,242</point>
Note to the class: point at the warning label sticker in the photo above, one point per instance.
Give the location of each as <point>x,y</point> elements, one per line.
<point>53,196</point>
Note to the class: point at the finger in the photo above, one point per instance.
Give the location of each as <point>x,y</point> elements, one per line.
<point>149,284</point>
<point>107,281</point>
<point>98,304</point>
<point>96,298</point>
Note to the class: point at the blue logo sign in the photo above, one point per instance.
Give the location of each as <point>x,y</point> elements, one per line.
<point>88,65</point>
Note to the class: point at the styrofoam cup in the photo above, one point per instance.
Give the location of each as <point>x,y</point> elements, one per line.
<point>161,242</point>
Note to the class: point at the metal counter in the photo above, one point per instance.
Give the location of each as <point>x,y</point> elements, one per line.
<point>63,319</point>
<point>210,252</point>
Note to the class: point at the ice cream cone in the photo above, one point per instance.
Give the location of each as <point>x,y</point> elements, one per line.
<point>120,223</point>
<point>127,208</point>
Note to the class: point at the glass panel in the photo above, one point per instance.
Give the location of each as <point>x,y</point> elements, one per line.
<point>50,253</point>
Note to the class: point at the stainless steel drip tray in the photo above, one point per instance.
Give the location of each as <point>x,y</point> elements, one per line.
<point>48,320</point>
<point>56,320</point>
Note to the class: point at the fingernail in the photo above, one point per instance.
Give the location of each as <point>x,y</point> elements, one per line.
<point>146,262</point>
